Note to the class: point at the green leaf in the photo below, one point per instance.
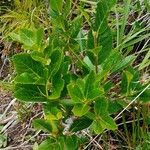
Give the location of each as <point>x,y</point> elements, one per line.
<point>80,124</point>
<point>27,37</point>
<point>69,143</point>
<point>15,37</point>
<point>101,106</point>
<point>111,62</point>
<point>53,115</point>
<point>26,78</point>
<point>48,51</point>
<point>80,109</point>
<point>114,107</point>
<point>89,62</point>
<point>42,124</point>
<point>92,90</point>
<point>52,112</point>
<point>57,86</point>
<point>75,27</point>
<point>39,36</point>
<point>35,146</point>
<point>81,84</point>
<point>108,85</point>
<point>24,63</point>
<point>101,34</point>
<point>75,93</point>
<point>90,41</point>
<point>95,93</point>
<point>102,123</point>
<point>85,90</point>
<point>97,127</point>
<point>103,120</point>
<point>31,39</point>
<point>89,84</point>
<point>56,60</point>
<point>109,122</point>
<point>67,102</point>
<point>104,40</point>
<point>60,143</point>
<point>39,56</point>
<point>30,93</point>
<point>48,145</point>
<point>28,70</point>
<point>103,7</point>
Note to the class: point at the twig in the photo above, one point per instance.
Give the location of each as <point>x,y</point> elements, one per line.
<point>10,104</point>
<point>94,140</point>
<point>16,147</point>
<point>30,138</point>
<point>7,119</point>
